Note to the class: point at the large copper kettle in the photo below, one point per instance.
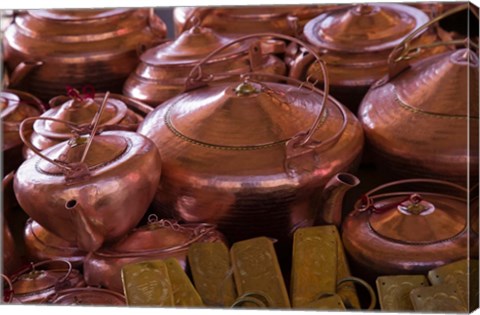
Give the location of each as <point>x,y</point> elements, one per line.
<point>396,229</point>
<point>355,42</point>
<point>89,189</point>
<point>121,112</point>
<point>78,47</point>
<point>250,156</point>
<point>417,118</point>
<point>162,73</point>
<point>159,239</point>
<point>15,106</point>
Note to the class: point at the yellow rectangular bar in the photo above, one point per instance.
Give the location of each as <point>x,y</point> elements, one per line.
<point>393,291</point>
<point>147,284</point>
<point>257,274</point>
<point>438,298</point>
<point>184,293</point>
<point>212,273</point>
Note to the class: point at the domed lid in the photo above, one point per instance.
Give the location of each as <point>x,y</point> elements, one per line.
<point>190,47</point>
<point>33,280</point>
<point>243,115</point>
<point>9,103</point>
<point>158,236</point>
<point>103,150</point>
<point>364,28</point>
<point>88,296</point>
<point>79,111</point>
<point>76,14</point>
<point>444,85</point>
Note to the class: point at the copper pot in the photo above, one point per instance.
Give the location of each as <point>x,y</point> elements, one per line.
<point>9,255</point>
<point>78,47</point>
<point>157,240</point>
<point>41,244</point>
<point>15,107</point>
<point>250,156</point>
<point>355,42</point>
<point>162,73</point>
<point>10,249</point>
<point>33,285</point>
<point>395,229</point>
<point>87,296</point>
<point>417,121</point>
<point>288,20</point>
<point>89,189</point>
<point>121,112</point>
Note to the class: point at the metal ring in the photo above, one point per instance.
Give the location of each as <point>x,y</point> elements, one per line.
<point>257,297</point>
<point>373,297</point>
<point>11,292</point>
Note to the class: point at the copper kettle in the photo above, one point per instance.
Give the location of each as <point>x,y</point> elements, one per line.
<point>163,69</point>
<point>395,229</point>
<point>355,42</point>
<point>89,189</point>
<point>159,239</point>
<point>78,47</point>
<point>422,119</point>
<point>15,106</point>
<point>120,113</point>
<point>250,156</point>
<point>87,296</point>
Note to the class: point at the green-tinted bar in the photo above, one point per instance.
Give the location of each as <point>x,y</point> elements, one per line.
<point>184,293</point>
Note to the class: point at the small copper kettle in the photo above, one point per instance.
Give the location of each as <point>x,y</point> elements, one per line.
<point>159,239</point>
<point>78,47</point>
<point>89,189</point>
<point>162,73</point>
<point>15,106</point>
<point>395,229</point>
<point>355,42</point>
<point>120,113</point>
<point>421,120</point>
<point>33,285</point>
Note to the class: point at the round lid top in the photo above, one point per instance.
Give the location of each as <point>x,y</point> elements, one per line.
<point>36,281</point>
<point>191,46</point>
<point>76,14</point>
<point>158,236</point>
<point>419,218</point>
<point>81,112</point>
<point>364,28</point>
<point>88,296</point>
<point>9,102</point>
<point>243,114</point>
<point>444,84</point>
<point>103,150</point>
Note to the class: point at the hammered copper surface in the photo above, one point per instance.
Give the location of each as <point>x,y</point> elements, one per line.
<point>164,69</point>
<point>405,231</point>
<point>60,48</point>
<point>157,240</point>
<point>229,158</point>
<point>417,123</point>
<point>103,198</point>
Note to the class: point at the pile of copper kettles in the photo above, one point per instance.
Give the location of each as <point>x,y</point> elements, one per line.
<point>285,157</point>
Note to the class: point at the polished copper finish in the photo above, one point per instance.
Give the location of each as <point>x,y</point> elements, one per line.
<point>355,42</point>
<point>164,69</point>
<point>33,285</point>
<point>157,240</point>
<point>78,47</point>
<point>90,189</point>
<point>288,20</point>
<point>417,122</point>
<point>87,296</point>
<point>121,112</point>
<point>9,255</point>
<point>15,106</point>
<point>41,244</point>
<point>250,151</point>
<point>406,231</point>
<point>11,261</point>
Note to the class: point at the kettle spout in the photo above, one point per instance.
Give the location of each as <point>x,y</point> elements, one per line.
<point>330,210</point>
<point>89,234</point>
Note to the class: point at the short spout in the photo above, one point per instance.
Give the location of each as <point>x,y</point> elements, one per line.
<point>89,234</point>
<point>330,210</point>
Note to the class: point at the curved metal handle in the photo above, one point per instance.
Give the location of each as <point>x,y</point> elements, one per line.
<point>402,52</point>
<point>371,292</point>
<point>8,297</point>
<point>156,24</point>
<point>33,267</point>
<point>258,298</point>
<point>366,201</point>
<point>22,70</point>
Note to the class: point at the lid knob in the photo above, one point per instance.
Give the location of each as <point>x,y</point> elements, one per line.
<point>415,205</point>
<point>364,9</point>
<point>246,89</point>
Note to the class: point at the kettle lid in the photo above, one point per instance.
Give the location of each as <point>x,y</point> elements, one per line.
<point>364,28</point>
